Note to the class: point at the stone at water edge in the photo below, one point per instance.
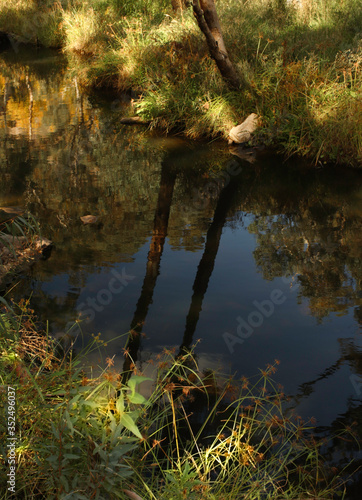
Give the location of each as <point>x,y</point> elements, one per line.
<point>89,219</point>
<point>42,244</point>
<point>243,132</point>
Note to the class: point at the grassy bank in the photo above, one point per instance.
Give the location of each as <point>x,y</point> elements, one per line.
<point>21,244</point>
<point>82,436</point>
<point>301,61</point>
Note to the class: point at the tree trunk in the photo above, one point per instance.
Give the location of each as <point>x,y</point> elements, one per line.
<point>208,22</point>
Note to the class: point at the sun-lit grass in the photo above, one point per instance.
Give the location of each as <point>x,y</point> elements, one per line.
<point>301,61</point>
<point>83,31</point>
<point>27,23</point>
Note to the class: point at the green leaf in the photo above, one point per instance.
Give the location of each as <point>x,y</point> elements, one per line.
<point>112,423</point>
<point>69,422</point>
<point>134,380</point>
<point>120,404</point>
<point>101,452</point>
<point>52,459</point>
<point>64,482</point>
<point>134,414</point>
<point>137,399</point>
<point>60,392</point>
<point>117,433</point>
<point>55,431</point>
<point>129,424</point>
<point>92,404</point>
<point>74,400</point>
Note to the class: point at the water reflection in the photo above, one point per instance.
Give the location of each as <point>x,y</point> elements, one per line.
<point>201,244</point>
<point>159,233</point>
<point>225,200</point>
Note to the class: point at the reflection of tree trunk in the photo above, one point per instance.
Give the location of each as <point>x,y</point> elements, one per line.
<point>78,141</point>
<point>31,100</point>
<point>4,110</point>
<point>164,201</point>
<point>6,98</point>
<point>79,98</point>
<point>208,21</point>
<point>207,261</point>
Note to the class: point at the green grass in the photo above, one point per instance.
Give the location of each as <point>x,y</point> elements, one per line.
<point>28,22</point>
<point>25,227</point>
<point>302,64</point>
<point>84,434</point>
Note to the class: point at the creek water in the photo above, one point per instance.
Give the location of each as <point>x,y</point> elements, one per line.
<point>257,257</point>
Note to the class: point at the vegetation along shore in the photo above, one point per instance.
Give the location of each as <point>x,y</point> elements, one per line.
<point>295,63</point>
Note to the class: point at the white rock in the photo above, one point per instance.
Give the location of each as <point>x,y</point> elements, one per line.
<point>243,132</point>
<point>89,219</point>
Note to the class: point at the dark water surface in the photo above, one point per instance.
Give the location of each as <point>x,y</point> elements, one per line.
<point>182,251</point>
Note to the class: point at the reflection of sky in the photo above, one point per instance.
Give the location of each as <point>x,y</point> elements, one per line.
<point>58,287</point>
<point>304,347</point>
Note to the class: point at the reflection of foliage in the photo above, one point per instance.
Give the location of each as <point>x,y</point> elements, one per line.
<point>309,233</point>
<point>66,155</point>
<point>82,161</point>
<point>349,424</point>
<point>319,243</point>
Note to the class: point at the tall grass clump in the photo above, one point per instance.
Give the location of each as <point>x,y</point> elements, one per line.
<point>20,243</point>
<point>84,31</point>
<point>90,28</point>
<point>30,21</point>
<point>229,439</point>
<point>73,436</point>
<point>82,434</point>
